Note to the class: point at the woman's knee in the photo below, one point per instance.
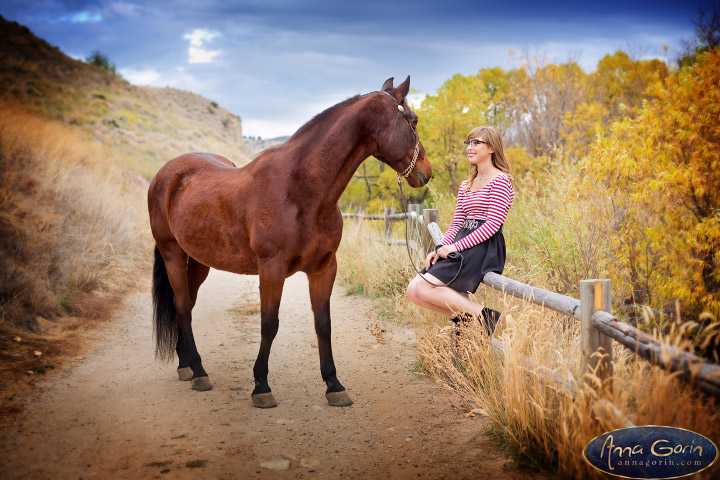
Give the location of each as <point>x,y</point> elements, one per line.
<point>413,290</point>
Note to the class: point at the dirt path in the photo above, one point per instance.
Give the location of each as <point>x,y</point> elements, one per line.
<point>117,413</point>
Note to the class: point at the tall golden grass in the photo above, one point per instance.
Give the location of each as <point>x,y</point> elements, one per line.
<point>366,269</point>
<point>72,229</point>
<point>541,422</point>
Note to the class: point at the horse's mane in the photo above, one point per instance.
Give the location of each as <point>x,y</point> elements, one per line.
<point>323,116</point>
<point>307,127</point>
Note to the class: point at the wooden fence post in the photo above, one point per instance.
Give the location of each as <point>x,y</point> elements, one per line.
<point>595,295</point>
<point>419,227</point>
<point>429,215</point>
<point>412,225</point>
<point>412,207</point>
<point>388,223</point>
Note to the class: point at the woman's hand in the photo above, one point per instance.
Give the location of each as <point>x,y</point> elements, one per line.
<point>446,250</point>
<point>441,252</point>
<point>431,258</point>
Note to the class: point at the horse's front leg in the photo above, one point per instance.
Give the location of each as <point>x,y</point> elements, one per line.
<point>272,278</point>
<point>321,285</point>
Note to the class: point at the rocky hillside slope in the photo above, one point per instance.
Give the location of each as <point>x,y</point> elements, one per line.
<point>142,127</point>
<point>257,145</point>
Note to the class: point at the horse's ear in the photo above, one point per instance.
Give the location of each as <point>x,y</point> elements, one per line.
<point>388,84</point>
<point>402,90</point>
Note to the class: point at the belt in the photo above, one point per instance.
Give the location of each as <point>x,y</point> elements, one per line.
<point>472,223</point>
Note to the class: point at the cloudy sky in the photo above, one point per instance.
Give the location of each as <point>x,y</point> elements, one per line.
<point>277,63</point>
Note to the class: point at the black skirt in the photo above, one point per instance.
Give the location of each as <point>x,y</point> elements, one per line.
<point>488,256</point>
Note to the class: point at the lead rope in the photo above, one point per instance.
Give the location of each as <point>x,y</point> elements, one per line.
<point>406,173</point>
<point>453,255</point>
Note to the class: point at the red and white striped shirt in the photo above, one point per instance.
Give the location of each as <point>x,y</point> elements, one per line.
<point>491,203</point>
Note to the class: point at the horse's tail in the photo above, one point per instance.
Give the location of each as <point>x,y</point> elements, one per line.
<point>165,327</point>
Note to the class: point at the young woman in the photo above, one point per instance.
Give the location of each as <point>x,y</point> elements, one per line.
<point>483,203</point>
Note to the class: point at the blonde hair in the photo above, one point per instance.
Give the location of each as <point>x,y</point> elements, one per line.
<point>493,140</point>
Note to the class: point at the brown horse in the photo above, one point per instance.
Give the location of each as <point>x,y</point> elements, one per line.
<point>273,217</point>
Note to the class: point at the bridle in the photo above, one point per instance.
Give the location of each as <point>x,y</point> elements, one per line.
<point>416,152</point>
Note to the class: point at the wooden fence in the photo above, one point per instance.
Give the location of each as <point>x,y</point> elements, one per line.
<point>419,221</point>
<point>598,326</point>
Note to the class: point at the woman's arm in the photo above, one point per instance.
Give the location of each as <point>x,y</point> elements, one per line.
<point>500,199</point>
<point>458,219</point>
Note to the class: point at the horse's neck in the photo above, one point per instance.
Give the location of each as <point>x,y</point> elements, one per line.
<point>328,158</point>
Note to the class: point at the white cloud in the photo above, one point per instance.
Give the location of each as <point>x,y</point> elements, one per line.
<point>269,128</point>
<point>198,38</point>
<point>415,99</point>
<point>200,55</point>
<point>146,76</point>
<point>84,17</point>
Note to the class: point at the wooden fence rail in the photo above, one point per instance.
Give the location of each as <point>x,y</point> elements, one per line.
<point>692,368</point>
<point>598,325</point>
<point>394,216</point>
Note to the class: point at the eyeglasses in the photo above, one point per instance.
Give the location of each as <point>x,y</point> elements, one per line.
<point>474,142</point>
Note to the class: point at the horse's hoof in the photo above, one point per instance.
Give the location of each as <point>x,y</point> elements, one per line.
<point>338,399</point>
<point>201,384</point>
<point>264,400</point>
<point>185,374</point>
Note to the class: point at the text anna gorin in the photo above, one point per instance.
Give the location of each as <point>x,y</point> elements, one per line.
<point>651,452</point>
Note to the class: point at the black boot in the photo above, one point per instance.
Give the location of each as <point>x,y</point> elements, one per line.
<point>462,319</point>
<point>489,318</point>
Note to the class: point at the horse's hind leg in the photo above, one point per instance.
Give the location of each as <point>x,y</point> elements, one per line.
<point>272,278</point>
<point>321,285</point>
<point>176,264</point>
<point>197,273</point>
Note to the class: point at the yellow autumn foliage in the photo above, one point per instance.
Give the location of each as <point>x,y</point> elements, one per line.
<point>662,169</point>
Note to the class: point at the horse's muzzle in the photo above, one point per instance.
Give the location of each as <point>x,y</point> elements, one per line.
<point>423,180</point>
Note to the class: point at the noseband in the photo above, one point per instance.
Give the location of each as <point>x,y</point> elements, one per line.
<point>416,152</point>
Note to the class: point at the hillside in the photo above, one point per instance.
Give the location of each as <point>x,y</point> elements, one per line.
<point>77,147</point>
<point>142,127</point>
<point>257,145</point>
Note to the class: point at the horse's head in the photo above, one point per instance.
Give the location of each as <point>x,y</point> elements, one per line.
<point>398,144</point>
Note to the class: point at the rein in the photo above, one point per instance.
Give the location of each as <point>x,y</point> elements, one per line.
<point>453,255</point>
<point>406,173</point>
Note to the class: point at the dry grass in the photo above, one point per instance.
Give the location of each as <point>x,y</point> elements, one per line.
<point>72,232</point>
<point>370,266</point>
<point>539,421</point>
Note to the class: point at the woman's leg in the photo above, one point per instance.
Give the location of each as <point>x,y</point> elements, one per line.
<point>445,300</point>
<point>414,296</point>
